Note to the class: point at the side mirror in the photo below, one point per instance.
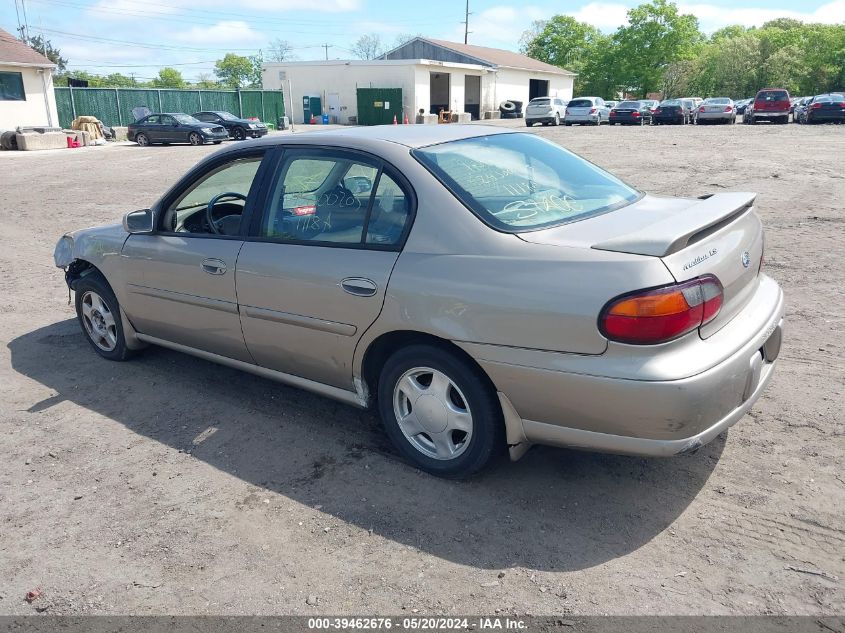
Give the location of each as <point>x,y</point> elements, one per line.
<point>141,221</point>
<point>358,184</point>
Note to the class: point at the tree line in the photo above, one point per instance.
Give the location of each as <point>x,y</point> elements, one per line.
<point>663,51</point>
<point>232,71</point>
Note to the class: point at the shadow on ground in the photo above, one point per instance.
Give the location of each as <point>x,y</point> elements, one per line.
<point>553,510</point>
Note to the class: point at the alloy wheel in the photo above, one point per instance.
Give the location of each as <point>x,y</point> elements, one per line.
<point>432,413</point>
<point>195,139</point>
<point>99,321</point>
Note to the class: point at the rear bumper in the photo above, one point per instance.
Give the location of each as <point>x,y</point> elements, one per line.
<point>630,120</point>
<point>668,118</point>
<point>770,115</point>
<point>581,118</point>
<point>715,116</point>
<point>636,415</point>
<point>540,118</point>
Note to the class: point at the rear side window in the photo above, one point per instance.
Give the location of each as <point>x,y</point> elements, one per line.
<point>580,103</point>
<point>773,95</point>
<point>520,182</point>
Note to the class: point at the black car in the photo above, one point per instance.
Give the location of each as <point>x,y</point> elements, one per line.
<point>742,105</point>
<point>237,128</point>
<point>174,127</point>
<point>826,109</point>
<point>630,113</point>
<point>672,111</point>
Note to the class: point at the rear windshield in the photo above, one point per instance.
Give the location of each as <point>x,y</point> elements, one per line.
<point>521,182</point>
<point>718,101</point>
<point>628,104</point>
<point>773,95</point>
<point>580,103</point>
<point>539,102</point>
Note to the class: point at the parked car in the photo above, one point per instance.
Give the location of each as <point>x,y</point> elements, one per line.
<point>827,108</point>
<point>770,104</point>
<point>237,127</point>
<point>545,110</point>
<point>650,103</point>
<point>437,274</point>
<point>717,110</point>
<point>742,104</point>
<point>630,113</point>
<point>696,101</point>
<point>692,111</point>
<point>611,104</point>
<point>671,111</point>
<point>592,110</point>
<point>174,127</point>
<point>799,110</point>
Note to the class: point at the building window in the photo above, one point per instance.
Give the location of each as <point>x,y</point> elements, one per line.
<point>11,87</point>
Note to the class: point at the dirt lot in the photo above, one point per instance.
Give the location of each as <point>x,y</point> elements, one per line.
<point>171,485</point>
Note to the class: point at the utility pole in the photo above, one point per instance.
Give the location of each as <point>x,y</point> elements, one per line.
<point>466,24</point>
<point>326,46</point>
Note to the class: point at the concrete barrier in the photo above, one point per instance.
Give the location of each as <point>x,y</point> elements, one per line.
<point>427,119</point>
<point>492,114</point>
<point>461,117</point>
<point>35,141</point>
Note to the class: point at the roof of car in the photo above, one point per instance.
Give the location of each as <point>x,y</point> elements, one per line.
<point>408,135</point>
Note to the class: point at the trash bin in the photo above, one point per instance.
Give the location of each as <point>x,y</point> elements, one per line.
<point>325,119</point>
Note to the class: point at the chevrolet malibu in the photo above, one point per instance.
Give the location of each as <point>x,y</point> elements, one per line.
<point>482,289</point>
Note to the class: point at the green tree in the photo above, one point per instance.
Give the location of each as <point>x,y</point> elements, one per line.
<point>169,78</point>
<point>234,71</point>
<point>565,42</point>
<point>257,61</point>
<point>46,48</point>
<point>656,35</point>
<point>205,82</point>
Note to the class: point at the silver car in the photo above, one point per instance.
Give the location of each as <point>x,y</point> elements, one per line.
<point>483,289</point>
<point>716,110</point>
<point>587,110</point>
<point>545,110</point>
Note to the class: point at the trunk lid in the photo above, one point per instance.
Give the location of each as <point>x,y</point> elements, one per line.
<point>719,235</point>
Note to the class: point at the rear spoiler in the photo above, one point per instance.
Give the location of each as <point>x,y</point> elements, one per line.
<point>686,227</point>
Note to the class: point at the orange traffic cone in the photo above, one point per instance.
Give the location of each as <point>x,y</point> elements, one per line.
<point>395,122</point>
<point>405,122</point>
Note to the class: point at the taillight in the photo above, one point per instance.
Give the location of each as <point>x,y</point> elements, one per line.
<point>728,108</point>
<point>635,114</point>
<point>701,109</point>
<point>613,113</point>
<point>567,111</point>
<point>662,314</point>
<point>593,110</point>
<point>307,210</point>
<point>815,106</point>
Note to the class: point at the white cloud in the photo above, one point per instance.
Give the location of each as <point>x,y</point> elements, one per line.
<point>225,32</point>
<point>609,16</point>
<point>712,17</point>
<point>499,26</point>
<point>604,16</point>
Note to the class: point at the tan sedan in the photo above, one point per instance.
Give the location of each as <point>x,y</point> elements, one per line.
<point>484,289</point>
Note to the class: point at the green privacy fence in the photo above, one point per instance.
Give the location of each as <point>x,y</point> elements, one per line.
<point>113,106</point>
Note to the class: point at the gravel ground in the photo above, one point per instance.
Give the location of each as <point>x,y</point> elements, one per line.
<point>171,485</point>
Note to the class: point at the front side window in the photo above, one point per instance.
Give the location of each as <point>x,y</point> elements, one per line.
<point>338,198</point>
<point>214,204</point>
<point>519,182</point>
<point>152,119</point>
<point>11,87</point>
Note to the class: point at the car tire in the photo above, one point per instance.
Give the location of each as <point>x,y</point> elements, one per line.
<point>98,313</point>
<point>217,142</point>
<point>567,124</point>
<point>195,138</point>
<point>142,139</point>
<point>557,119</point>
<point>239,134</point>
<point>459,395</point>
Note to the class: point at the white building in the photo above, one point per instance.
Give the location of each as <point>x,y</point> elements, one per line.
<point>26,86</point>
<point>433,75</point>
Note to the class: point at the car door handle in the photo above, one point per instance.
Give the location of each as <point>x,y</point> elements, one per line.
<point>359,286</point>
<point>213,266</point>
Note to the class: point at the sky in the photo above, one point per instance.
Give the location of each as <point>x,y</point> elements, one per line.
<point>132,36</point>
